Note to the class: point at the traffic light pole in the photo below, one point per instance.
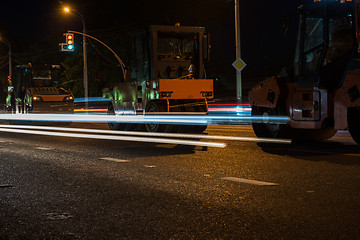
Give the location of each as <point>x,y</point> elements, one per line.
<point>86,89</point>
<point>238,50</point>
<point>10,66</point>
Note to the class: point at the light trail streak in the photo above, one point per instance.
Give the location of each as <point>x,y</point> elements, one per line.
<point>90,110</point>
<point>165,119</point>
<point>117,138</point>
<point>170,118</point>
<point>92,99</point>
<point>147,134</point>
<point>230,108</point>
<point>229,105</point>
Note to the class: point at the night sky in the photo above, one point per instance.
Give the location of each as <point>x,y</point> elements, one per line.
<point>264,48</point>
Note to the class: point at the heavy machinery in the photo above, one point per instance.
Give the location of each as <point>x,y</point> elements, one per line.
<point>166,75</point>
<point>34,88</point>
<point>321,92</point>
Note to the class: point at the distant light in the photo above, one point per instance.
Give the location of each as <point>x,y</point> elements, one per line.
<point>66,9</point>
<point>37,98</point>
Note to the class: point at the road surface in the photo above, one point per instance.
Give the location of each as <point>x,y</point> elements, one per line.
<point>55,187</point>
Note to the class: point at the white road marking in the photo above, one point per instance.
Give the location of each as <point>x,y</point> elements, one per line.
<point>170,135</point>
<point>248,181</point>
<point>43,148</point>
<point>57,216</point>
<point>115,160</point>
<point>149,166</point>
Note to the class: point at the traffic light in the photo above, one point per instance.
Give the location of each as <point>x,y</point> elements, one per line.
<point>70,41</point>
<point>68,46</point>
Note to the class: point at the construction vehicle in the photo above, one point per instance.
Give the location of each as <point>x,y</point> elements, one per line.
<point>34,88</point>
<point>166,75</point>
<point>321,92</point>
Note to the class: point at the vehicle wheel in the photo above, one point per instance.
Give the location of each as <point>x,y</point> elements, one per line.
<point>269,130</point>
<point>353,118</point>
<point>153,107</point>
<point>192,128</point>
<point>118,126</point>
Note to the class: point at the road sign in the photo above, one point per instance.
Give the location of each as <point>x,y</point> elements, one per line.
<point>239,64</point>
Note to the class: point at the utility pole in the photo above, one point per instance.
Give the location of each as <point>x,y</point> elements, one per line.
<point>10,67</point>
<point>238,49</point>
<point>85,70</point>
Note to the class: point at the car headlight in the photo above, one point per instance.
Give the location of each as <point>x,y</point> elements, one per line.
<point>37,99</point>
<point>68,99</point>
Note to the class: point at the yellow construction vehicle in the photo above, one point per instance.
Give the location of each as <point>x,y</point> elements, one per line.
<point>166,75</point>
<point>321,92</point>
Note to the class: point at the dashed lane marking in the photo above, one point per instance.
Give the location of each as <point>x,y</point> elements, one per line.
<point>115,160</point>
<point>43,148</point>
<point>149,166</point>
<point>248,181</point>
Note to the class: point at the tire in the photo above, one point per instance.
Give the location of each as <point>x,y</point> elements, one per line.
<point>192,128</point>
<point>118,126</point>
<point>353,119</point>
<point>269,130</point>
<point>153,107</point>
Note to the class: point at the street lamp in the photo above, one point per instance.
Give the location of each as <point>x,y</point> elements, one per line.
<point>82,19</point>
<point>9,45</point>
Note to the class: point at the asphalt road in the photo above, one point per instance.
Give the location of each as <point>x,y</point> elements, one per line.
<point>72,188</point>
